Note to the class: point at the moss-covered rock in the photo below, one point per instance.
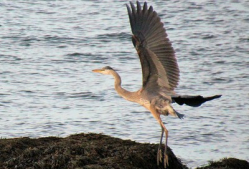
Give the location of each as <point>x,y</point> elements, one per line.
<point>91,151</point>
<point>227,163</point>
<point>95,151</point>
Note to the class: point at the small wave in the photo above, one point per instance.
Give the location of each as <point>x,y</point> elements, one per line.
<point>220,62</point>
<point>30,39</point>
<point>193,5</point>
<point>244,39</point>
<point>27,91</point>
<point>208,36</point>
<point>6,58</point>
<point>114,36</point>
<point>57,38</point>
<point>80,57</point>
<point>81,95</point>
<point>4,94</point>
<point>85,95</point>
<point>80,54</point>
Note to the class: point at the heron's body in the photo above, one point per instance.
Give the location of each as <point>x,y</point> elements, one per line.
<point>160,101</point>
<point>159,68</point>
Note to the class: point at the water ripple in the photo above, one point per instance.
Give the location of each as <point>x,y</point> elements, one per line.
<point>48,49</point>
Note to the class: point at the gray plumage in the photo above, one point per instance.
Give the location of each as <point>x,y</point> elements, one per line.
<point>157,56</point>
<point>159,69</point>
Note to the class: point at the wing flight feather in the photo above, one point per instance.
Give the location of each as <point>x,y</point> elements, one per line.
<point>156,54</point>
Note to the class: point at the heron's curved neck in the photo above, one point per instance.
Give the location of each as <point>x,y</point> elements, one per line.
<point>131,96</point>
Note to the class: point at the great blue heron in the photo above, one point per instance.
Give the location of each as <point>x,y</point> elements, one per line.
<point>159,68</point>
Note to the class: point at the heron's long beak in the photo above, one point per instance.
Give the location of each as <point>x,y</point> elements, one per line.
<point>97,70</point>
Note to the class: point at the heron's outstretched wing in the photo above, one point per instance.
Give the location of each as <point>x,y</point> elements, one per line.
<point>157,56</point>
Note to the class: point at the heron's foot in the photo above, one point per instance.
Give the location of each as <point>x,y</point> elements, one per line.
<point>166,160</point>
<point>159,156</point>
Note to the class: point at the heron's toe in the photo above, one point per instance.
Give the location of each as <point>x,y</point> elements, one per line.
<point>159,156</point>
<point>166,160</point>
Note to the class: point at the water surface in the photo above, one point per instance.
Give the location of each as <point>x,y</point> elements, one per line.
<point>48,49</point>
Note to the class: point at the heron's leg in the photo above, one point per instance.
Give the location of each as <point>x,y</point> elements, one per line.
<point>157,117</point>
<point>159,152</point>
<point>166,159</point>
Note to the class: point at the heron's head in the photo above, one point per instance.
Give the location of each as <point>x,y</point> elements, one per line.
<point>107,70</point>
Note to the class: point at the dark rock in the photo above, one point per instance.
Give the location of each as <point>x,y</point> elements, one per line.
<point>227,163</point>
<point>93,151</point>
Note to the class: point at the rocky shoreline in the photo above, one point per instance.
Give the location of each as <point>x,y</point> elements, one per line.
<point>91,151</point>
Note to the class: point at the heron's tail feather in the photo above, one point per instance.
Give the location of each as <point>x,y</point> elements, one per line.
<point>173,112</point>
<point>179,115</point>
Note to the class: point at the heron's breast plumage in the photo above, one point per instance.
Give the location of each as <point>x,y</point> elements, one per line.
<point>145,103</point>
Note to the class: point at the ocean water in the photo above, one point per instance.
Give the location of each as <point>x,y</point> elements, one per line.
<point>47,88</point>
